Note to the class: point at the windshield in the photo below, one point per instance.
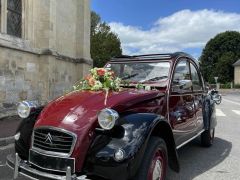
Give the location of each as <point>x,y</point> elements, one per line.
<point>141,72</point>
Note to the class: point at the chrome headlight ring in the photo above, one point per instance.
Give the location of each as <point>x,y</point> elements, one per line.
<point>107,118</point>
<point>24,108</point>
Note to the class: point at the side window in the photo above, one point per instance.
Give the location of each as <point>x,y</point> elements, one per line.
<point>14,17</point>
<point>197,85</point>
<point>181,78</point>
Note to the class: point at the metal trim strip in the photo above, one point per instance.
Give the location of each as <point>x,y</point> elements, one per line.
<point>179,146</point>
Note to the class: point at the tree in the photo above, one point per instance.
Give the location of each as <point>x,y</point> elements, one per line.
<point>218,56</point>
<point>105,44</point>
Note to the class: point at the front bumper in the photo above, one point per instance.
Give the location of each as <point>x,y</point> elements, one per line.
<point>24,168</point>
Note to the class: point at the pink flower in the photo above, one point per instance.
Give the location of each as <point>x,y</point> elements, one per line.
<point>101,71</point>
<point>91,81</point>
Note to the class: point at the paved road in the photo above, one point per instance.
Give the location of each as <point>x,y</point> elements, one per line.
<point>220,162</point>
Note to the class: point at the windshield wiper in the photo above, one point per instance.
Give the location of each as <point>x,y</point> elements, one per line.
<point>155,78</point>
<point>129,76</point>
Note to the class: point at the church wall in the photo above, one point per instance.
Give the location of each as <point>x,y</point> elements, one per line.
<point>53,53</point>
<point>29,76</point>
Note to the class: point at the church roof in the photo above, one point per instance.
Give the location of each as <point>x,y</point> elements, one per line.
<point>237,63</point>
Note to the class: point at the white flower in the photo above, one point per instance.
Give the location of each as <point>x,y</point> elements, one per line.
<point>97,86</point>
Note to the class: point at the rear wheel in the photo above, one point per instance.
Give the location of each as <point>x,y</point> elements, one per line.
<point>207,137</point>
<point>155,161</point>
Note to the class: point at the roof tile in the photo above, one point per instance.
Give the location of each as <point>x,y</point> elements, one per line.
<point>237,63</point>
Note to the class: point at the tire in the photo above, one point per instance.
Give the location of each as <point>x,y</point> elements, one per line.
<point>207,137</point>
<point>154,159</point>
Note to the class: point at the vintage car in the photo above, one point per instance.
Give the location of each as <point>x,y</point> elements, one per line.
<point>131,133</point>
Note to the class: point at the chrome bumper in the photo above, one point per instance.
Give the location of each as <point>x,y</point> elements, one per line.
<point>24,168</point>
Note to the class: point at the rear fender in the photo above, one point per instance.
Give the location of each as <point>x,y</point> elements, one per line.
<point>209,113</point>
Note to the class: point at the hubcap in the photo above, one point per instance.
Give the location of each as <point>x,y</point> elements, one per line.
<point>157,172</point>
<point>157,167</point>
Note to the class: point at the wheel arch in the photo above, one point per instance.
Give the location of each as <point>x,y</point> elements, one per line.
<point>163,130</point>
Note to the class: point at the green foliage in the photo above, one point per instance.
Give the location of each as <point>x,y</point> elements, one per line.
<point>225,86</point>
<point>237,86</point>
<point>218,56</point>
<point>105,44</point>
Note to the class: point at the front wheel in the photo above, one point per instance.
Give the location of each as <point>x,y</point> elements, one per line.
<point>155,161</point>
<point>207,137</point>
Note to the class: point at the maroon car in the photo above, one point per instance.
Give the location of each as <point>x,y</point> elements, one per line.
<point>134,134</point>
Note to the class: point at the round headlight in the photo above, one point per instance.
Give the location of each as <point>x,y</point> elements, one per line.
<point>119,155</point>
<point>24,108</point>
<point>17,136</point>
<point>107,118</point>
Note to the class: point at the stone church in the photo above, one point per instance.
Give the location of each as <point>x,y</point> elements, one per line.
<point>44,48</point>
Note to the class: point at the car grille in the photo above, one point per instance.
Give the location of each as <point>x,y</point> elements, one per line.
<point>55,141</point>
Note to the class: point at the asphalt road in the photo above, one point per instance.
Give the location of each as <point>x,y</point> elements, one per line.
<point>219,162</point>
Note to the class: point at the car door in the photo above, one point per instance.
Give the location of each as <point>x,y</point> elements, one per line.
<point>197,95</point>
<point>181,103</point>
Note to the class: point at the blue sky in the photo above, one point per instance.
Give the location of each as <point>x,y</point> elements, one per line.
<point>155,26</point>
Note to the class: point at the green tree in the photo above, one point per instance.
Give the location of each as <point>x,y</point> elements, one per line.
<point>105,44</point>
<point>218,56</point>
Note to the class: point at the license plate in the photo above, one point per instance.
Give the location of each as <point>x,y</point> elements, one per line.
<point>51,163</point>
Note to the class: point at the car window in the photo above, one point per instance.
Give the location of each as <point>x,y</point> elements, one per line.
<point>141,72</point>
<point>181,78</point>
<point>197,85</point>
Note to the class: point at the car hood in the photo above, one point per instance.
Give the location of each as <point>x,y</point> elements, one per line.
<point>76,110</point>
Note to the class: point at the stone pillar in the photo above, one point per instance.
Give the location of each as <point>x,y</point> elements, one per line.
<point>83,29</point>
<point>3,16</point>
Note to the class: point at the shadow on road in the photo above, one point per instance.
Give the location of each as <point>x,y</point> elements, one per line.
<point>195,160</point>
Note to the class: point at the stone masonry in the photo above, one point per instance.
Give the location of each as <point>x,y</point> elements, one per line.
<point>237,72</point>
<point>53,53</point>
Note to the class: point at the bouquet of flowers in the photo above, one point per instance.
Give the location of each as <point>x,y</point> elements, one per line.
<point>99,79</point>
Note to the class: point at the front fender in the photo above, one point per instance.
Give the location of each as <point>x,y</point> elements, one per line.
<point>25,129</point>
<point>131,136</point>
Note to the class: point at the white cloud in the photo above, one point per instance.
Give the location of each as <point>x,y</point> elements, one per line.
<point>181,30</point>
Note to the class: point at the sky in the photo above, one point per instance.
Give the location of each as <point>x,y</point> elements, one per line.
<point>160,26</point>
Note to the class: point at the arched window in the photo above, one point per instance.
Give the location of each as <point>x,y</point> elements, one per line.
<point>14,17</point>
